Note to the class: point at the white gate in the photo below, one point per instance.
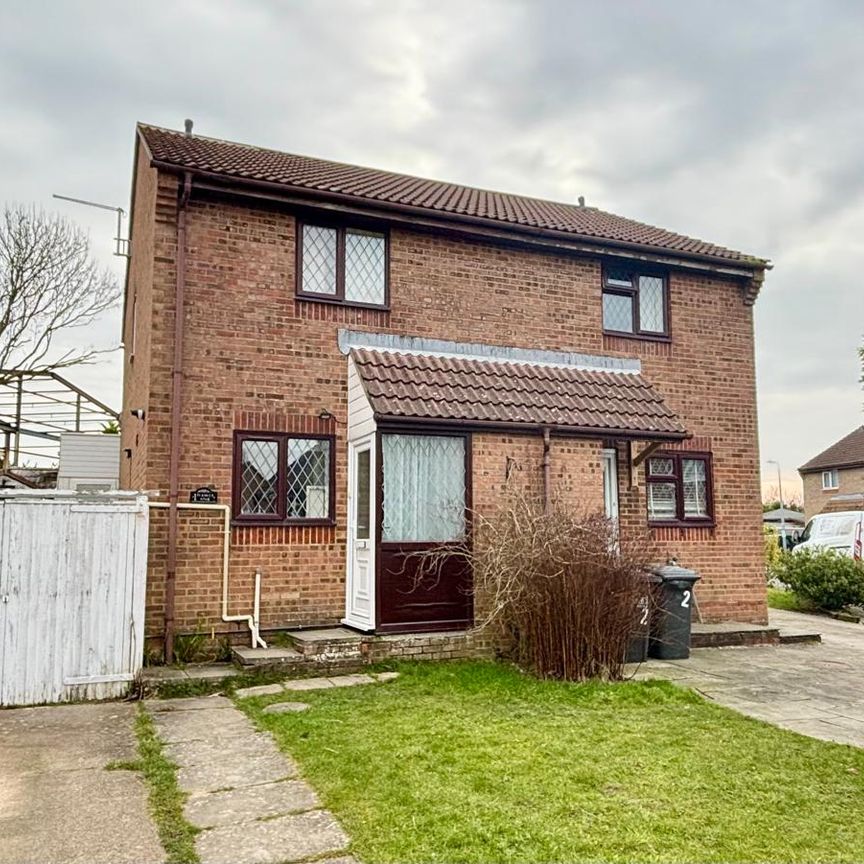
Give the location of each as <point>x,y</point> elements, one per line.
<point>73,569</point>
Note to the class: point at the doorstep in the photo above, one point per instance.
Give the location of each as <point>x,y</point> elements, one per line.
<point>728,634</point>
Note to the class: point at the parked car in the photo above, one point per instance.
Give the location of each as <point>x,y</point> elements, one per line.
<point>839,531</point>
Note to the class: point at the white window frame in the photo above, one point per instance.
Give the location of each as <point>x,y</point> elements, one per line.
<point>832,475</point>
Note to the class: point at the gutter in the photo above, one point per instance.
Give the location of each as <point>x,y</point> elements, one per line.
<point>302,196</point>
<point>391,422</point>
<point>176,424</point>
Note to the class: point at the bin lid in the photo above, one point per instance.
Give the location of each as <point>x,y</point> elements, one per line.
<point>674,573</point>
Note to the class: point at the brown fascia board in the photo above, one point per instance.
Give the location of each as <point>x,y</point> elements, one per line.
<point>829,466</point>
<point>488,228</point>
<point>391,421</point>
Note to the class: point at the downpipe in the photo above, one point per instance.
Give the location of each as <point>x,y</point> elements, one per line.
<point>176,421</point>
<point>253,620</point>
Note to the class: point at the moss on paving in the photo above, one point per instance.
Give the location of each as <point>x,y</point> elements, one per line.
<point>477,762</point>
<point>165,797</point>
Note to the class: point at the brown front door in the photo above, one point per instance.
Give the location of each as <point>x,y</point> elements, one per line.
<point>424,486</point>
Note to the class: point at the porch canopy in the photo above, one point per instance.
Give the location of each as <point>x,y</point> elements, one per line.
<point>477,392</point>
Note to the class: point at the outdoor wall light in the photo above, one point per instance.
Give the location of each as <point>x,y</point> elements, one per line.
<point>138,413</point>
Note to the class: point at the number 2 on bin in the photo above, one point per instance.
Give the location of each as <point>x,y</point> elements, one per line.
<point>685,600</point>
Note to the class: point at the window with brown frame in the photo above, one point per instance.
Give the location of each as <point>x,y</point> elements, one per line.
<point>341,264</point>
<point>679,489</point>
<point>283,478</point>
<point>635,303</point>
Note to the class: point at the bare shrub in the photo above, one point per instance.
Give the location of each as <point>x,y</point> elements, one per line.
<point>557,587</point>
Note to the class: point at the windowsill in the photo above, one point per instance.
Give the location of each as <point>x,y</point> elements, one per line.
<point>639,337</point>
<point>830,488</point>
<point>336,301</point>
<point>283,523</point>
<point>679,523</point>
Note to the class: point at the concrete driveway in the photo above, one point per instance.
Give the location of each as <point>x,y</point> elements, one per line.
<point>815,689</point>
<point>57,801</point>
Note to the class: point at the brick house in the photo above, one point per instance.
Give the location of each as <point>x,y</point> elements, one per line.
<point>366,357</point>
<point>836,476</point>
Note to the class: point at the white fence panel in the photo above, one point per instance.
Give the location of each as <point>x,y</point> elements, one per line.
<point>72,580</point>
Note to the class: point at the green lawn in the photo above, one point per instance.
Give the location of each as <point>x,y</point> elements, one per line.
<point>779,598</point>
<point>477,762</point>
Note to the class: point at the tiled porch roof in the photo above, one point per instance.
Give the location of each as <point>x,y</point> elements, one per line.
<point>481,392</point>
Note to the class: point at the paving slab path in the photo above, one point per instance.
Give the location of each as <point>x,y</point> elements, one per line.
<point>243,792</point>
<point>814,689</point>
<point>58,803</point>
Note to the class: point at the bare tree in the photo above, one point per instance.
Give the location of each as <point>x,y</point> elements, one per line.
<point>49,283</point>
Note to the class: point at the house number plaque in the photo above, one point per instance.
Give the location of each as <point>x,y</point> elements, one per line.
<point>203,495</point>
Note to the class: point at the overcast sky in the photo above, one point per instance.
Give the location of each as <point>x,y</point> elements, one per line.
<point>741,123</point>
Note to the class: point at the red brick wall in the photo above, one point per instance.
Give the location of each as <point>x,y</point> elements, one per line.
<point>256,357</point>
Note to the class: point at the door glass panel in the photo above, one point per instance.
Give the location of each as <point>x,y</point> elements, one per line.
<point>424,488</point>
<point>361,491</point>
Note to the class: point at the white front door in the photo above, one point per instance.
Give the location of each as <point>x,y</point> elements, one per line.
<point>360,575</point>
<point>610,486</point>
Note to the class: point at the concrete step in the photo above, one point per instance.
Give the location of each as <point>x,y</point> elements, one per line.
<point>270,656</point>
<point>327,643</point>
<point>798,637</point>
<point>730,634</point>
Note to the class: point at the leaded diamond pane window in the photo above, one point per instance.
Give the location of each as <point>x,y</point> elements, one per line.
<point>319,260</point>
<point>280,477</point>
<point>259,476</point>
<point>679,489</point>
<point>695,487</point>
<point>618,313</point>
<point>634,303</point>
<point>424,488</point>
<point>343,265</point>
<point>308,473</point>
<point>661,467</point>
<point>364,267</point>
<point>661,501</point>
<point>652,304</point>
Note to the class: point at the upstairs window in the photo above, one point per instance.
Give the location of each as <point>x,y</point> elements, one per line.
<point>679,489</point>
<point>283,478</point>
<point>635,303</point>
<point>342,265</point>
<point>830,479</point>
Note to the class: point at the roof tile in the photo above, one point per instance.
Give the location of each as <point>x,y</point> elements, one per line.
<point>847,452</point>
<point>241,161</point>
<point>425,386</point>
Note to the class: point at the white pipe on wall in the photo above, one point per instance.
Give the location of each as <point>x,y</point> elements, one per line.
<point>251,620</point>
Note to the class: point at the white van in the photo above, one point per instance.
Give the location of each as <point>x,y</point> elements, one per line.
<point>842,532</point>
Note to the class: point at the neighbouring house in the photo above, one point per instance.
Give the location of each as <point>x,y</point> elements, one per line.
<point>89,461</point>
<point>364,359</point>
<point>835,473</point>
